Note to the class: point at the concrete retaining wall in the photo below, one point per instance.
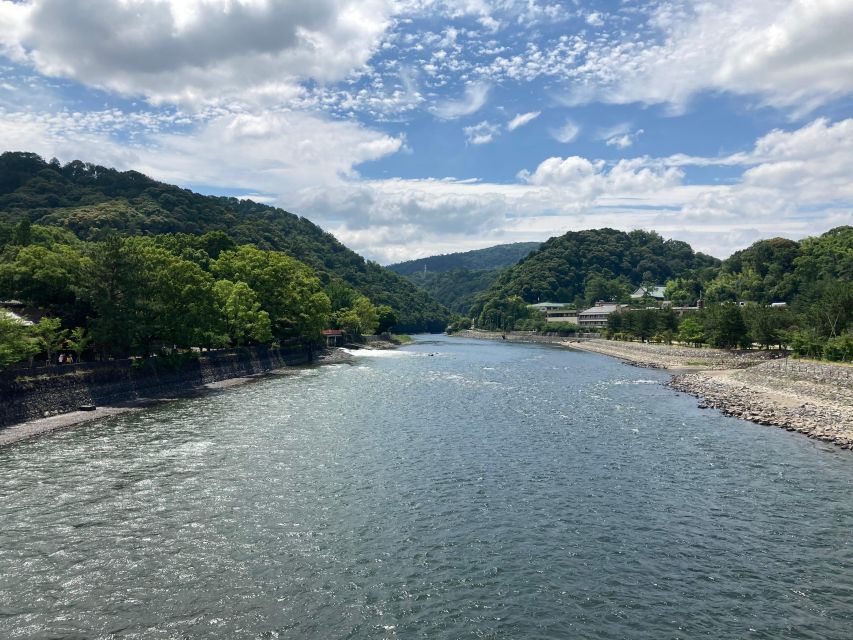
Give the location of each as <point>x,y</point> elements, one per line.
<point>27,394</point>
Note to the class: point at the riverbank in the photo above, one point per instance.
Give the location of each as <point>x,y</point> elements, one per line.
<point>672,357</point>
<point>110,397</point>
<point>811,398</point>
<point>814,399</point>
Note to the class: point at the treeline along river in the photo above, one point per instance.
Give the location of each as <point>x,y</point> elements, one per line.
<point>450,489</point>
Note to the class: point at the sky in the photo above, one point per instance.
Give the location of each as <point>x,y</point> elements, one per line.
<point>415,127</point>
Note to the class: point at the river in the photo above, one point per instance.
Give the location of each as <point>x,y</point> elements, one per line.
<point>449,489</point>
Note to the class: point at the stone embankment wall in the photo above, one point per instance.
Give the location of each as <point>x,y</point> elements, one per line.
<point>28,394</point>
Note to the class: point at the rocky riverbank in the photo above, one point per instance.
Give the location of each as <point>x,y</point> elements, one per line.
<point>815,399</point>
<point>673,357</point>
<point>811,398</point>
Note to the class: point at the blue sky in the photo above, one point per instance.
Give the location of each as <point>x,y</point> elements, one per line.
<point>416,127</point>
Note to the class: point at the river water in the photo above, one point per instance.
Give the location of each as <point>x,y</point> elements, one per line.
<point>450,489</point>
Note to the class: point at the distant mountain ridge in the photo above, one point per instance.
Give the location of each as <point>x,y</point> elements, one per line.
<point>93,202</point>
<point>456,279</point>
<point>496,257</point>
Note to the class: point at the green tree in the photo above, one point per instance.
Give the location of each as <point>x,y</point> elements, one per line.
<point>766,324</point>
<point>287,289</point>
<point>78,340</point>
<point>50,336</point>
<point>387,319</point>
<point>113,292</point>
<point>360,319</point>
<point>691,332</point>
<point>16,341</point>
<point>22,235</point>
<point>245,319</point>
<point>724,326</point>
<point>44,277</point>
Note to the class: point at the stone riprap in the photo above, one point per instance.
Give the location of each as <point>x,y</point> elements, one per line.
<point>814,399</point>
<point>665,356</point>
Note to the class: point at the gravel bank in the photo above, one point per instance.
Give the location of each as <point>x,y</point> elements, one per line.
<point>816,400</point>
<point>664,356</point>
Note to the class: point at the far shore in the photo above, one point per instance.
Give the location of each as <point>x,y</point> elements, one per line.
<point>807,397</point>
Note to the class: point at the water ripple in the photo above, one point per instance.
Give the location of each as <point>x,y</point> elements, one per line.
<point>485,491</point>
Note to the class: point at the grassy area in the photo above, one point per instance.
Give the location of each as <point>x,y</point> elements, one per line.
<point>401,338</point>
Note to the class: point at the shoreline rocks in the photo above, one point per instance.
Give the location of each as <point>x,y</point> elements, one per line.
<point>829,422</point>
<point>811,398</point>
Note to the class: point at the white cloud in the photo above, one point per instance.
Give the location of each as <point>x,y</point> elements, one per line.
<point>522,119</point>
<point>620,135</point>
<point>270,152</point>
<point>594,19</point>
<point>568,132</point>
<point>481,133</point>
<point>195,51</point>
<point>475,98</point>
<point>792,53</point>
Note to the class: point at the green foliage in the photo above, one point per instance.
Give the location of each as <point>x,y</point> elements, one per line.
<point>362,318</point>
<point>725,327</point>
<point>767,324</point>
<point>643,324</point>
<point>44,276</point>
<point>585,266</point>
<point>50,336</point>
<point>683,291</point>
<point>16,341</point>
<point>456,289</point>
<point>839,348</point>
<point>95,202</point>
<point>244,318</point>
<point>489,259</point>
<point>386,319</point>
<point>78,341</point>
<point>287,289</point>
<point>690,331</point>
<point>560,328</point>
<point>805,343</point>
<point>502,314</point>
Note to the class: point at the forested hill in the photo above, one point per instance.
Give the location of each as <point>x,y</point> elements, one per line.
<point>94,202</point>
<point>781,270</point>
<point>599,264</point>
<point>456,279</point>
<point>497,257</point>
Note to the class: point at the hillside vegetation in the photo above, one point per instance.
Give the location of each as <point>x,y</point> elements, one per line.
<point>456,279</point>
<point>584,266</point>
<point>497,257</point>
<point>813,278</point>
<point>94,202</point>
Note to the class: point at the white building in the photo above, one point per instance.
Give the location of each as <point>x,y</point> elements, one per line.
<point>596,317</point>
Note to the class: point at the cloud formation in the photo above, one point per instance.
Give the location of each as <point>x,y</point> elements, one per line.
<point>522,119</point>
<point>568,132</point>
<point>195,51</point>
<point>791,53</point>
<point>475,97</point>
<point>481,133</point>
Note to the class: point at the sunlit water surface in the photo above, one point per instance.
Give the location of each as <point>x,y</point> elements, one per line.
<point>451,489</point>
